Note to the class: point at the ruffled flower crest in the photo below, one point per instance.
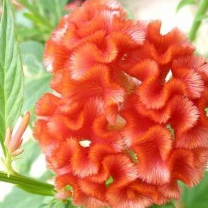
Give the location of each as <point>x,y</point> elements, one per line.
<point>127,119</point>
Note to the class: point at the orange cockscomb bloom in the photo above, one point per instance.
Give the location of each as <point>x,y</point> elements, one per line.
<point>127,118</point>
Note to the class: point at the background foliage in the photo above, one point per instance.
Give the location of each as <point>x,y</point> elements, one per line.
<point>35,20</point>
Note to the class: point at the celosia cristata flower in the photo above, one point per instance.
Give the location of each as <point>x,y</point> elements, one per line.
<point>127,118</point>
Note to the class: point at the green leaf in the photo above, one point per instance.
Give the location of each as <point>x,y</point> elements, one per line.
<point>54,7</point>
<point>40,20</point>
<point>20,199</point>
<point>34,50</point>
<point>55,203</point>
<point>201,17</point>
<point>196,197</point>
<point>24,34</point>
<point>184,3</point>
<point>36,78</point>
<point>28,184</point>
<point>163,206</point>
<point>11,73</point>
<point>26,30</point>
<point>21,20</point>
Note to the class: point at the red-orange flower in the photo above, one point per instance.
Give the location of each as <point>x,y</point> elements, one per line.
<point>127,117</point>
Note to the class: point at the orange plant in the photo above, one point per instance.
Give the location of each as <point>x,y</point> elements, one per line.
<point>126,120</point>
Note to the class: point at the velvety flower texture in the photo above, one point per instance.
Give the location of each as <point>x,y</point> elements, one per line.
<point>126,120</point>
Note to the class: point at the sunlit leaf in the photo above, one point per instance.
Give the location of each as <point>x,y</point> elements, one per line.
<point>184,3</point>
<point>21,199</point>
<point>201,17</point>
<point>11,73</point>
<point>196,197</point>
<point>54,7</point>
<point>40,19</point>
<point>170,205</point>
<point>36,78</point>
<point>54,203</point>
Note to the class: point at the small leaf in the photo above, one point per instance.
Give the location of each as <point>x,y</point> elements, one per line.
<point>184,3</point>
<point>54,7</point>
<point>33,9</point>
<point>21,199</point>
<point>36,77</point>
<point>196,197</point>
<point>170,205</point>
<point>11,73</point>
<point>55,203</point>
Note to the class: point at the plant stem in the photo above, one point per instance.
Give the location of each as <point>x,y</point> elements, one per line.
<point>28,184</point>
<point>3,147</point>
<point>203,6</point>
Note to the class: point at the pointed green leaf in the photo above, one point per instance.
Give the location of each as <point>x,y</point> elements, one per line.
<point>184,3</point>
<point>11,73</point>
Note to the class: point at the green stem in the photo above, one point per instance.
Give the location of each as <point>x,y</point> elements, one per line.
<point>203,6</point>
<point>3,147</point>
<point>28,184</point>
